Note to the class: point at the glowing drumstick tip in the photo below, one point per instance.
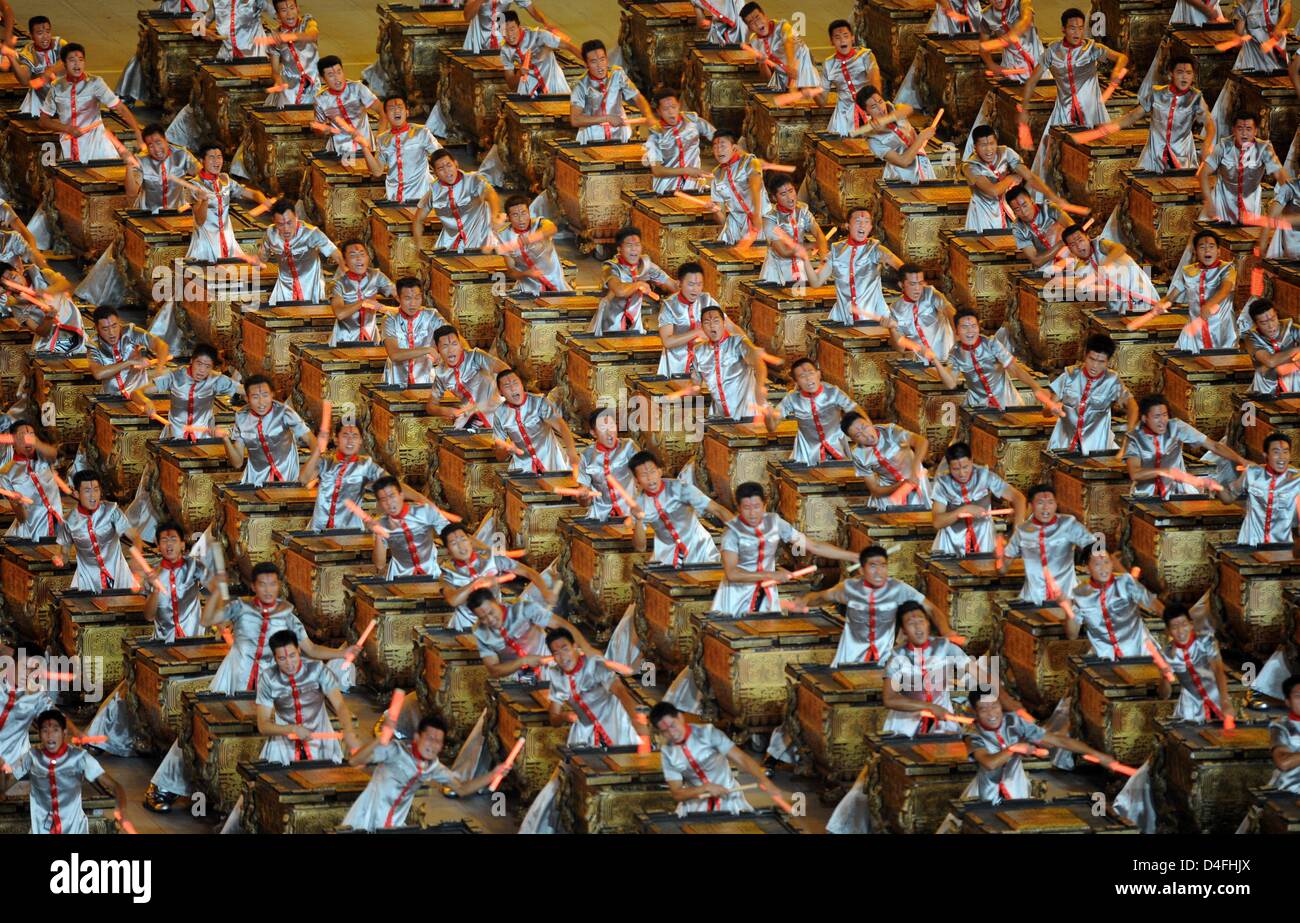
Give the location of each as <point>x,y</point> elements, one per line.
<point>507,765</point>
<point>394,709</point>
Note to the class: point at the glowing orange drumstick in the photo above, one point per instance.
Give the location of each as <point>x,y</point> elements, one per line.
<point>394,709</point>
<point>62,484</point>
<point>351,656</point>
<point>999,550</point>
<point>355,509</point>
<point>793,606</point>
<point>1113,767</point>
<point>777,167</point>
<point>794,575</point>
<point>1000,512</point>
<point>945,716</point>
<point>688,391</point>
<point>1141,320</point>
<point>95,739</point>
<point>144,565</point>
<point>15,496</point>
<point>326,735</point>
<point>1008,72</point>
<point>61,677</point>
<point>621,669</point>
<point>1160,660</point>
<point>615,486</point>
<point>901,494</point>
<point>643,733</point>
<point>126,825</point>
<point>509,447</point>
<point>263,208</point>
<point>321,127</point>
<point>1053,590</point>
<point>1026,138</point>
<point>1026,715</point>
<point>769,358</point>
<point>1268,44</point>
<point>1177,474</point>
<point>962,17</point>
<point>698,200</point>
<point>798,96</point>
<point>1115,79</point>
<point>506,766</point>
<point>569,491</point>
<point>1231,43</point>
<point>227,636</point>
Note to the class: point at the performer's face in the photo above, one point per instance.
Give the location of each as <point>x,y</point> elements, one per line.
<point>672,727</point>
<point>75,65</point>
<point>25,438</point>
<point>520,217</point>
<point>88,494</point>
<point>597,62</point>
<point>1207,251</point>
<point>287,10</point>
<point>916,627</point>
<point>511,388</point>
<point>1157,419</point>
<point>787,196</point>
<point>267,587</point>
<point>751,510</point>
<point>961,469</point>
<point>842,39</point>
<point>876,106</point>
<point>692,285</point>
<point>334,78</point>
<point>722,149</point>
<point>200,368</point>
<point>390,500</point>
<point>876,571</point>
<point>1044,506</point>
<point>1180,629</point>
<point>445,169</point>
<point>714,326</point>
<point>358,259</point>
<point>410,300</point>
<point>1279,455</point>
<point>1293,701</point>
<point>1244,130</point>
<point>348,440</point>
<point>260,398</point>
<point>109,329</point>
<point>429,743</point>
<point>1183,75</point>
<point>1022,206</point>
<point>459,545</point>
<point>449,349</point>
<point>566,655</point>
<point>288,659</point>
<point>395,109</point>
<point>214,161</point>
<point>1268,324</point>
<point>1100,567</point>
<point>491,614</point>
<point>968,328</point>
<point>669,108</point>
<point>914,285</point>
<point>513,31</point>
<point>1079,245</point>
<point>286,222</point>
<point>606,429</point>
<point>42,35</point>
<point>1074,30</point>
<point>1095,363</point>
<point>758,23</point>
<point>988,711</point>
<point>170,545</point>
<point>630,248</point>
<point>51,735</point>
<point>157,146</point>
<point>863,433</point>
<point>986,148</point>
<point>648,476</point>
<point>808,378</point>
<point>860,224</point>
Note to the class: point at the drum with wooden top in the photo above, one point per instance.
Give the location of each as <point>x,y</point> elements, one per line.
<point>335,374</point>
<point>153,244</point>
<point>248,516</point>
<point>1213,67</point>
<point>65,382</point>
<point>530,328</point>
<point>97,800</point>
<point>1279,811</point>
<point>277,143</point>
<point>221,92</point>
<point>92,626</point>
<point>923,405</point>
<point>1049,312</point>
<point>308,796</point>
<point>533,511</point>
<point>810,498</point>
<point>473,85</point>
<point>665,417</point>
<point>1171,540</point>
<point>979,272</point>
<point>833,710</point>
<point>157,673</point>
<point>1210,773</point>
<point>1249,585</point>
<point>777,130</point>
<point>464,289</point>
<point>336,193</point>
<point>653,36</point>
<point>526,124</point>
<point>604,790</point>
<point>397,420</point>
<point>670,604</point>
<point>589,183</point>
<point>905,534</point>
<point>892,28</point>
<point>398,608</point>
<point>599,559</point>
<point>451,679</point>
<point>594,369</point>
<point>1091,488</point>
<point>845,174</point>
<point>122,433</point>
<point>1118,705</point>
<point>714,81</point>
<point>717,823</point>
<point>858,358</point>
<point>1032,816</point>
<point>913,217</point>
<point>951,77</point>
<point>169,53</point>
<point>15,347</point>
<point>216,298</point>
<point>726,267</point>
<point>393,243</point>
<point>315,565</point>
<point>915,780</point>
<point>1008,99</point>
<point>1091,170</point>
<point>780,317</point>
<point>972,592</point>
<point>734,453</point>
<point>1135,360</point>
<point>188,475</point>
<point>88,198</point>
<point>669,224</point>
<point>1262,417</point>
<point>1202,388</point>
<point>1282,281</point>
<point>411,39</point>
<point>1011,443</point>
<point>740,663</point>
<point>523,710</point>
<point>31,582</point>
<point>25,174</point>
<point>1161,211</point>
<point>268,334</point>
<point>219,733</point>
<point>464,472</point>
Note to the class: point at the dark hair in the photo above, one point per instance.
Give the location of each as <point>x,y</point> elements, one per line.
<point>1039,489</point>
<point>449,530</point>
<point>712,309</point>
<point>662,710</point>
<point>858,208</point>
<point>965,312</point>
<point>624,233</point>
<point>51,714</point>
<point>170,525</point>
<point>749,489</point>
<point>407,282</point>
<point>1099,343</point>
<point>505,372</point>
<point>446,330</point>
<point>799,363</point>
<point>395,98</point>
<point>911,269</point>
<point>1016,192</point>
<point>264,567</point>
<point>325,63</point>
<point>749,8</point>
<point>1204,233</point>
<point>558,634</point>
<point>85,476</point>
<point>282,638</point>
<point>283,205</point>
<point>205,349</point>
<point>1072,13</point>
<point>590,45</point>
<point>1176,610</point>
<point>778,182</point>
<point>1181,59</point>
<point>1074,228</point>
<point>726,133</point>
<point>865,94</point>
<point>639,459</point>
<point>1288,684</point>
<point>872,551</point>
<point>596,415</point>
<point>353,242</point>
<point>511,16</point>
<point>847,421</point>
<point>1260,307</point>
<point>983,131</point>
<point>662,93</point>
<point>435,721</point>
<point>516,200</point>
<point>69,49</point>
<point>441,154</point>
<point>207,145</point>
<point>254,380</point>
<point>1275,437</point>
<point>910,606</point>
<point>479,597</point>
<point>384,483</point>
<point>838,24</point>
<point>975,696</point>
<point>37,21</point>
<point>1150,402</point>
<point>153,128</point>
<point>957,450</point>
<point>687,268</point>
<point>104,312</point>
<point>1241,115</point>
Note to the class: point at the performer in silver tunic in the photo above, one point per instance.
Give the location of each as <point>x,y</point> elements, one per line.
<point>528,245</point>
<point>408,337</point>
<point>212,194</point>
<point>401,154</point>
<point>887,456</point>
<point>855,265</point>
<point>486,20</point>
<point>463,203</point>
<point>871,604</point>
<point>672,152</point>
<point>530,429</point>
<point>1177,111</point>
<point>56,771</point>
<point>606,458</point>
<point>192,392</point>
<point>1273,347</point>
<point>954,17</point>
<point>512,639</point>
<point>1074,63</point>
<point>19,706</point>
<point>469,374</point>
<point>263,439</point>
<point>722,19</point>
<point>1022,48</point>
<point>341,106</point>
<point>921,315</point>
<point>892,138</point>
<point>1037,229</point>
<point>402,768</point>
<point>750,545</point>
<point>818,408</point>
<point>528,56</point>
<point>580,693</point>
<point>1239,164</point>
<point>238,25</point>
<point>848,70</point>
<point>697,762</point>
<point>737,191</point>
<point>294,52</point>
<point>596,102</point>
<point>151,179</point>
<point>73,108</point>
<point>789,227</point>
<point>629,278</point>
<point>467,571</point>
<point>31,490</point>
<point>298,248</point>
<point>1087,393</point>
<point>1206,285</point>
<point>986,365</point>
<point>120,357</point>
<point>1047,543</point>
<point>921,675</point>
<point>57,324</point>
<point>783,57</point>
<point>730,366</point>
<point>672,507</point>
<point>992,170</point>
<point>1284,740</point>
<point>1260,22</point>
<point>344,475</point>
<point>38,63</point>
<point>1106,611</point>
<point>679,322</point>
<point>1270,493</point>
<point>357,287</point>
<point>406,542</point>
<point>1196,663</point>
<point>1156,446</point>
<point>291,711</point>
<point>962,500</point>
<point>93,532</point>
<point>1102,270</point>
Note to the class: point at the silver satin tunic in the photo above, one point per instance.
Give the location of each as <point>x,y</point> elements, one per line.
<point>871,620</point>
<point>1109,616</point>
<point>967,536</point>
<point>1048,551</point>
<point>1090,399</point>
<point>271,442</point>
<point>755,548</point>
<point>819,438</point>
